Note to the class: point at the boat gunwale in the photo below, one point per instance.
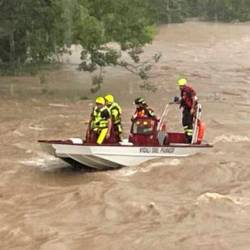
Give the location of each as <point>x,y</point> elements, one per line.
<point>177,145</point>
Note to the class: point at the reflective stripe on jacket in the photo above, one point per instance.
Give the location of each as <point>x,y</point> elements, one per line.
<point>116,112</point>
<point>98,120</point>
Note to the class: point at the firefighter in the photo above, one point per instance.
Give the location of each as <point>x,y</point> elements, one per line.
<point>188,103</point>
<point>142,109</point>
<point>115,111</point>
<point>100,123</point>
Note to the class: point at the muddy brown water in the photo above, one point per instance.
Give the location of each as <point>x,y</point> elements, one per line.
<point>200,202</point>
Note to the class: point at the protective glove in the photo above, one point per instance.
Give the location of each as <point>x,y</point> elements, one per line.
<point>176,99</point>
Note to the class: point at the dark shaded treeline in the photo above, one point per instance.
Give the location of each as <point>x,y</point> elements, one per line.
<point>38,31</point>
<point>209,10</point>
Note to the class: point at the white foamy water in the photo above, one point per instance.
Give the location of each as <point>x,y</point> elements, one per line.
<point>231,138</point>
<point>45,162</point>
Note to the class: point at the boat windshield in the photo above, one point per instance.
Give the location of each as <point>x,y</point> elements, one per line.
<point>143,126</point>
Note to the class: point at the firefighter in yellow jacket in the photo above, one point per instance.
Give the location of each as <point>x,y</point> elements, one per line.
<point>100,122</point>
<point>116,112</point>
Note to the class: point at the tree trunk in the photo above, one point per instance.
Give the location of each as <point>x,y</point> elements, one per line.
<point>12,48</point>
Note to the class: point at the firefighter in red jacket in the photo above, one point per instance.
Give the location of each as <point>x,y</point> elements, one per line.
<point>188,103</point>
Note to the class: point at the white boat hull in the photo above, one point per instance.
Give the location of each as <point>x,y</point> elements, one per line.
<point>109,156</point>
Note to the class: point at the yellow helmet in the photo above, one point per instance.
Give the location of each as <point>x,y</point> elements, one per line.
<point>182,82</point>
<point>100,100</point>
<point>109,98</point>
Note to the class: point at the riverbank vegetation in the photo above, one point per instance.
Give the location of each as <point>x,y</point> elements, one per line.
<point>38,32</point>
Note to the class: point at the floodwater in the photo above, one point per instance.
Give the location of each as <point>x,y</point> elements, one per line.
<point>200,202</point>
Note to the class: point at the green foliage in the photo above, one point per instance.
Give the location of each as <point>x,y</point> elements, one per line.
<point>128,23</point>
<point>38,31</point>
<point>29,31</point>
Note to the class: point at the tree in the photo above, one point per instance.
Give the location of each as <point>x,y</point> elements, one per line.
<point>170,11</point>
<point>30,29</point>
<point>128,24</point>
<point>38,30</point>
<point>225,10</point>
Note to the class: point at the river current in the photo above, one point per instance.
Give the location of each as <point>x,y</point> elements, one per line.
<point>200,202</point>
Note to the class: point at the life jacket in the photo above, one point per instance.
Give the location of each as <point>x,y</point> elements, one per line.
<point>143,112</point>
<point>187,94</point>
<point>201,131</point>
<point>98,121</point>
<point>116,112</point>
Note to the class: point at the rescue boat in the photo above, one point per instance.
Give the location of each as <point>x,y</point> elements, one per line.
<point>147,141</point>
